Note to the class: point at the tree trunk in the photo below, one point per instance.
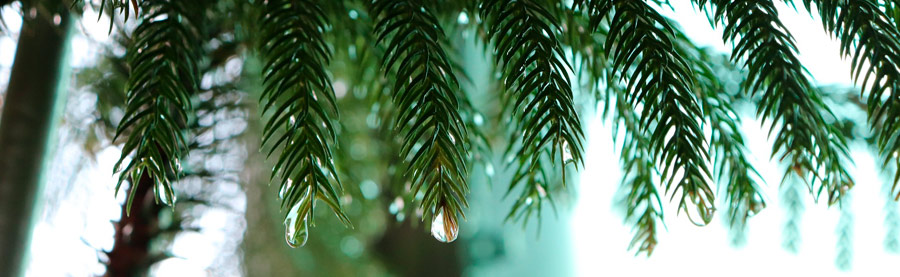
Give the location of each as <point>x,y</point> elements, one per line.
<point>27,127</point>
<point>130,255</point>
<point>408,250</point>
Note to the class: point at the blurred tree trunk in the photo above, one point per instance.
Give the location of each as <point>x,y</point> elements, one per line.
<point>27,126</point>
<point>130,255</point>
<point>407,250</point>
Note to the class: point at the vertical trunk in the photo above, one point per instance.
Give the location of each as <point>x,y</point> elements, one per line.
<point>27,126</point>
<point>408,250</point>
<point>130,255</point>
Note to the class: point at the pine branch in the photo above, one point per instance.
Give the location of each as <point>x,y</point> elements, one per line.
<point>869,37</point>
<point>300,101</point>
<point>640,198</point>
<point>891,8</point>
<point>844,230</point>
<point>163,58</point>
<point>112,6</point>
<point>546,132</point>
<point>659,82</point>
<point>426,94</point>
<point>643,206</point>
<point>591,61</point>
<point>815,150</point>
<point>730,161</point>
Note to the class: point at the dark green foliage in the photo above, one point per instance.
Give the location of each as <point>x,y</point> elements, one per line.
<point>299,101</point>
<point>425,93</point>
<point>545,134</point>
<point>397,58</point>
<point>870,38</point>
<point>643,206</point>
<point>731,167</point>
<point>112,7</point>
<point>659,83</point>
<point>813,149</point>
<point>163,58</point>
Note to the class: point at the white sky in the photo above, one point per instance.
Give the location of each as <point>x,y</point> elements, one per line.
<point>601,241</point>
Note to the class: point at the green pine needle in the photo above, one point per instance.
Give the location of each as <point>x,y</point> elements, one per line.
<point>300,103</point>
<point>659,83</point>
<point>163,58</point>
<point>813,148</point>
<point>426,94</point>
<point>546,133</point>
<point>870,38</point>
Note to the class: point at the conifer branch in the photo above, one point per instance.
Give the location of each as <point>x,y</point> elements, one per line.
<point>868,36</point>
<point>640,197</point>
<point>659,83</point>
<point>744,197</point>
<point>163,58</point>
<point>814,150</point>
<point>643,206</point>
<point>300,103</point>
<point>545,134</point>
<point>426,93</point>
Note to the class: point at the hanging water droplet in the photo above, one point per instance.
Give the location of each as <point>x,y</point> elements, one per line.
<point>702,209</point>
<point>296,233</point>
<point>567,154</point>
<point>489,170</point>
<point>292,120</point>
<point>845,188</point>
<point>452,139</point>
<point>528,201</point>
<point>755,208</point>
<point>444,227</point>
<point>296,227</point>
<point>353,14</point>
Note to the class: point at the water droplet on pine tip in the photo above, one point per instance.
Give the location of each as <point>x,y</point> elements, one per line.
<point>296,225</point>
<point>296,233</point>
<point>444,227</point>
<point>702,210</point>
<point>755,208</point>
<point>565,152</point>
<point>845,188</point>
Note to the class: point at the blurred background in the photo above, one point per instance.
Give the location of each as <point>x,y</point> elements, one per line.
<point>227,222</point>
